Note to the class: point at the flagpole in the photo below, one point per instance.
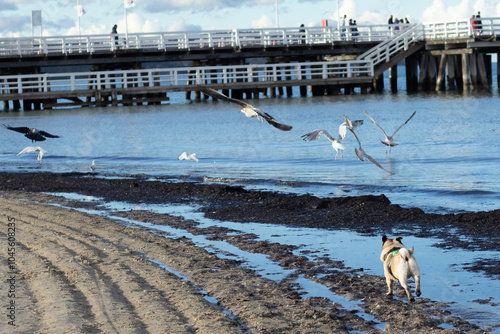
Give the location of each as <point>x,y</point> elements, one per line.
<point>277,18</point>
<point>78,13</point>
<point>126,24</point>
<point>338,15</point>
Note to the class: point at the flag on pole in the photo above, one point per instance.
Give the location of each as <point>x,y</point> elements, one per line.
<point>80,10</point>
<point>128,3</point>
<point>36,18</point>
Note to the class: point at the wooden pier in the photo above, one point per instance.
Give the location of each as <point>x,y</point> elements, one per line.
<point>245,64</point>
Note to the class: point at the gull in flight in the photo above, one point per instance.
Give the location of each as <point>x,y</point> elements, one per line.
<point>348,125</point>
<point>389,141</point>
<point>31,133</point>
<point>189,157</point>
<point>248,109</point>
<point>496,131</point>
<point>92,166</point>
<point>361,154</point>
<point>38,149</point>
<point>336,144</point>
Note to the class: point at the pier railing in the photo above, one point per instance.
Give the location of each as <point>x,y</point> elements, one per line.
<point>182,78</point>
<point>188,40</point>
<point>383,52</point>
<point>236,38</point>
<point>489,26</point>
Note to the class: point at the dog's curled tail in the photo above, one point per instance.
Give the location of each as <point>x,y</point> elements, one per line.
<point>406,254</point>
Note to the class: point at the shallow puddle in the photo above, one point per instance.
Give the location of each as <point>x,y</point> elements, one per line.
<point>443,280</point>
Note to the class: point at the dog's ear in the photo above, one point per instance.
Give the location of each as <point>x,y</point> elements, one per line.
<point>384,239</point>
<point>411,250</point>
<point>399,239</point>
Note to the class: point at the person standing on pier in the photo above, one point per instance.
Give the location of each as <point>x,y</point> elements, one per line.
<point>479,25</point>
<point>342,26</point>
<point>114,32</point>
<point>302,31</point>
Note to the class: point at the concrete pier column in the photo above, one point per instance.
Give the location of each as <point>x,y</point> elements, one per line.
<point>473,71</point>
<point>303,91</point>
<point>393,78</point>
<point>440,83</point>
<point>411,66</point>
<point>378,83</point>
<point>423,76</point>
<point>451,71</point>
<point>466,84</point>
<point>483,82</point>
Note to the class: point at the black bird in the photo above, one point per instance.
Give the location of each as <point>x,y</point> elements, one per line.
<point>31,133</point>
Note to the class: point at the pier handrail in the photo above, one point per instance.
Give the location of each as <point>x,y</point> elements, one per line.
<point>235,38</point>
<point>400,41</point>
<point>182,77</point>
<point>187,40</point>
<point>489,26</point>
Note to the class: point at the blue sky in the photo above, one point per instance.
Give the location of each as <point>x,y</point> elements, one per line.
<point>59,17</point>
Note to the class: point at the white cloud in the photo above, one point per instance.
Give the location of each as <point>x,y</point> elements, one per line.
<point>439,12</point>
<point>263,22</point>
<point>348,8</point>
<point>372,18</point>
<point>179,24</point>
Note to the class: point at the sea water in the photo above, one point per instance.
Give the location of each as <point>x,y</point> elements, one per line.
<point>447,160</point>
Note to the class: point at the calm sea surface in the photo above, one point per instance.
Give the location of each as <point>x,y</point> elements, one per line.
<point>448,158</point>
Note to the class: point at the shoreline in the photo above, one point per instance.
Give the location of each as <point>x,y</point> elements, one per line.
<point>86,253</point>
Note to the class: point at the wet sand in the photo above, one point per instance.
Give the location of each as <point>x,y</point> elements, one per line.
<point>81,272</point>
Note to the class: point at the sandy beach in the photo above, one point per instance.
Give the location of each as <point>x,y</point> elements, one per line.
<point>73,271</point>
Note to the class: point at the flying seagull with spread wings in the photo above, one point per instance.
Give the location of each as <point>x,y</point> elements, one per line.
<point>361,154</point>
<point>38,149</point>
<point>351,125</point>
<point>336,144</point>
<point>248,109</point>
<point>389,141</point>
<point>31,133</point>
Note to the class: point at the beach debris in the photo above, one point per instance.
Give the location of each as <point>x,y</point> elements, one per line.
<point>189,157</point>
<point>388,141</point>
<point>38,149</point>
<point>31,133</point>
<point>248,109</point>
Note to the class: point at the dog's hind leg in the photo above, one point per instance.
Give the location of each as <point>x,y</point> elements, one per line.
<point>417,285</point>
<point>389,286</point>
<point>408,292</point>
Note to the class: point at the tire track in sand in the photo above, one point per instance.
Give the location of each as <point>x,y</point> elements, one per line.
<point>121,297</point>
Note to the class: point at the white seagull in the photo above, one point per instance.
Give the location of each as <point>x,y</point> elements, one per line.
<point>496,131</point>
<point>248,109</point>
<point>92,166</point>
<point>38,149</point>
<point>361,154</point>
<point>189,157</point>
<point>389,141</point>
<point>348,125</point>
<point>336,144</point>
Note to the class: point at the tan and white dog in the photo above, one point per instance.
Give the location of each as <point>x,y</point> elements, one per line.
<point>399,265</point>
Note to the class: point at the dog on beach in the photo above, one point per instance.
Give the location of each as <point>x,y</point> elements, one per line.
<point>399,265</point>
